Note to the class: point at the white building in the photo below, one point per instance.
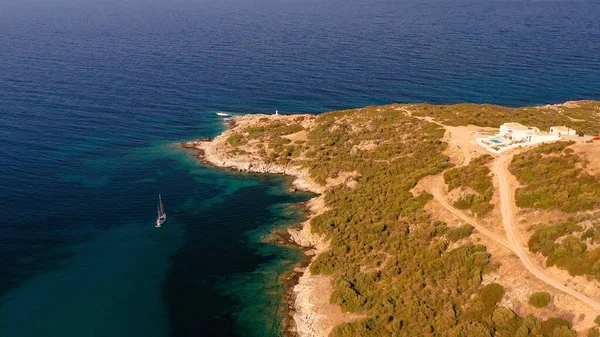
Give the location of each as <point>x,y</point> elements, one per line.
<point>562,131</point>
<point>541,137</point>
<point>517,132</point>
<point>513,135</point>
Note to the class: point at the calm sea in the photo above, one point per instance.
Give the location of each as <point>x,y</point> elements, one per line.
<point>95,96</point>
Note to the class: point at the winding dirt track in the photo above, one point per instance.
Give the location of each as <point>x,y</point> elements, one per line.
<point>438,194</point>
<point>500,169</point>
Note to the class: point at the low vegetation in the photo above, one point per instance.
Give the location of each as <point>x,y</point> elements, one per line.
<point>269,136</point>
<point>236,140</point>
<point>553,177</point>
<point>458,233</point>
<point>582,116</point>
<point>388,259</point>
<point>540,299</point>
<point>475,175</point>
<point>573,245</point>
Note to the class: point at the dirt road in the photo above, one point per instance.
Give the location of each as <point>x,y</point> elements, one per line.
<point>438,194</point>
<point>507,205</point>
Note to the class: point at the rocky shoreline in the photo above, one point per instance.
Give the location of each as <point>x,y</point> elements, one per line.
<point>303,318</point>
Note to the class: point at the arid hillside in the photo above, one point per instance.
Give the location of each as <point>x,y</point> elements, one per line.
<point>421,232</point>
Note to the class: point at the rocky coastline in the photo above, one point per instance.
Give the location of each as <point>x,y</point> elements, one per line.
<point>305,318</point>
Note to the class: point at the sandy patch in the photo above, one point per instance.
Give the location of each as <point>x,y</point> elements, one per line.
<point>320,316</point>
<point>591,153</point>
<point>461,143</point>
<point>342,178</point>
<point>365,145</point>
<point>313,315</point>
<point>298,136</point>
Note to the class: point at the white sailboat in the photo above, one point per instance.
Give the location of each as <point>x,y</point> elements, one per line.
<point>162,216</point>
<point>223,114</point>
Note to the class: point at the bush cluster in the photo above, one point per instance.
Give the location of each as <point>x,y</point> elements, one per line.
<point>455,234</point>
<point>275,148</point>
<point>475,175</point>
<point>540,299</point>
<point>553,178</point>
<point>236,140</point>
<point>564,245</point>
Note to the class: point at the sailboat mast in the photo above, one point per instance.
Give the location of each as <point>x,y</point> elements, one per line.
<point>162,216</point>
<point>160,206</point>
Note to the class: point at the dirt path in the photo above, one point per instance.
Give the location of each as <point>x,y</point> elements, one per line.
<point>507,205</point>
<point>438,194</point>
<point>511,242</point>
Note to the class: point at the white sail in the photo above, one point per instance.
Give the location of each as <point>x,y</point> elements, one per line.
<point>162,216</point>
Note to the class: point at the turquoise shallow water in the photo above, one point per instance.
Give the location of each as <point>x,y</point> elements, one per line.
<point>93,95</point>
<point>206,272</point>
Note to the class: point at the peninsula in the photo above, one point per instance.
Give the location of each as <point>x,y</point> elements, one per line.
<point>422,229</point>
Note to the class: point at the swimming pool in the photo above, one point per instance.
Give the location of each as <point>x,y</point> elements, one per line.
<point>496,141</point>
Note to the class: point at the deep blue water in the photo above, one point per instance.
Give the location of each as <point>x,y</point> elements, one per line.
<point>95,95</point>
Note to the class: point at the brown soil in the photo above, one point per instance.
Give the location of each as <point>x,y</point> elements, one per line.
<point>461,143</point>
<point>591,153</point>
<point>298,136</point>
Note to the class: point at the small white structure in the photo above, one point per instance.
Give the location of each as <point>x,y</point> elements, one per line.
<point>516,131</point>
<point>513,135</point>
<point>541,137</point>
<point>562,131</point>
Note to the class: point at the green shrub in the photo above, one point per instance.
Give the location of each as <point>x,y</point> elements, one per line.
<point>564,246</point>
<point>255,130</point>
<point>539,299</point>
<point>323,265</point>
<point>475,175</point>
<point>491,294</point>
<point>557,327</point>
<point>235,140</point>
<point>457,233</point>
<point>554,181</point>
